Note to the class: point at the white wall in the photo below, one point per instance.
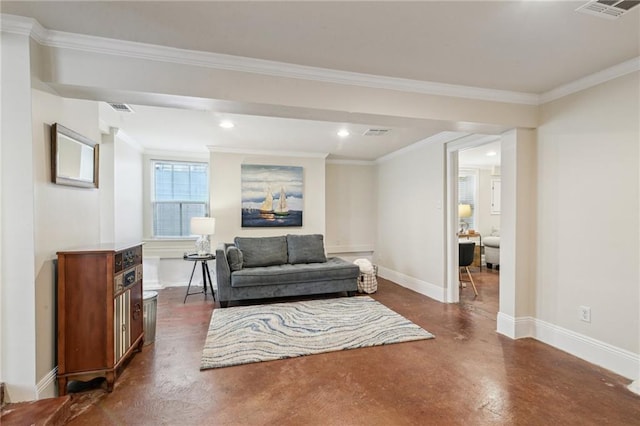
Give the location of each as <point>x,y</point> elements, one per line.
<point>17,290</point>
<point>106,181</point>
<point>128,201</point>
<point>351,207</point>
<point>121,202</point>
<point>588,233</point>
<point>65,216</point>
<point>350,212</point>
<point>411,219</point>
<point>487,220</point>
<point>225,189</point>
<point>518,225</point>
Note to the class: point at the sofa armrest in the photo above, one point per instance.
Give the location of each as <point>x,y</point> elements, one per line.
<point>491,242</point>
<point>223,272</point>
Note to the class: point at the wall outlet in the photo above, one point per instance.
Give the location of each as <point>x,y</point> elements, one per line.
<point>585,313</point>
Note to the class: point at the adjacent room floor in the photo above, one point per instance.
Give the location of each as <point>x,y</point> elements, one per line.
<point>467,375</point>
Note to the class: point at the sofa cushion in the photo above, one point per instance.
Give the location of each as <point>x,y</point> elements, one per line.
<point>263,251</point>
<point>235,258</point>
<point>306,249</point>
<point>334,269</point>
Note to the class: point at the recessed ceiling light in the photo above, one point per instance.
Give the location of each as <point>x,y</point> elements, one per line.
<point>491,154</point>
<point>226,124</point>
<point>343,133</point>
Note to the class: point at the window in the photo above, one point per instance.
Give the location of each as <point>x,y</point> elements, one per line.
<point>467,195</point>
<point>180,192</point>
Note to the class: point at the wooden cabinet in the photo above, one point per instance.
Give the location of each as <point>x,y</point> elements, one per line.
<point>99,318</point>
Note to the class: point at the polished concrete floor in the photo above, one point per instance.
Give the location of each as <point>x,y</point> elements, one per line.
<point>467,375</point>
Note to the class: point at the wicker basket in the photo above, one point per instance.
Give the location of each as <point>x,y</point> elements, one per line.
<point>367,283</point>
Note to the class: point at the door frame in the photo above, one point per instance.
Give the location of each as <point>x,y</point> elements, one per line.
<point>452,292</point>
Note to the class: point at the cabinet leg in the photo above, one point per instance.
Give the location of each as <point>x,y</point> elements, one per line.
<point>62,386</point>
<point>111,378</point>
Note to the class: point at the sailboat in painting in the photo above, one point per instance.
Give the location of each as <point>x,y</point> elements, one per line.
<point>282,209</point>
<point>267,205</point>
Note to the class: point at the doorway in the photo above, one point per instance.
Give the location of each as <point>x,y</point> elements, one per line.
<point>473,194</point>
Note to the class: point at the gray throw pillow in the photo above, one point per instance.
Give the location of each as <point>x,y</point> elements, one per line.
<point>306,248</point>
<point>234,256</point>
<point>264,251</point>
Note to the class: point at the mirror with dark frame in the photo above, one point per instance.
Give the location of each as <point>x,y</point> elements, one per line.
<point>74,158</point>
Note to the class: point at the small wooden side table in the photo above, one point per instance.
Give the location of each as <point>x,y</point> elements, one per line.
<point>195,258</point>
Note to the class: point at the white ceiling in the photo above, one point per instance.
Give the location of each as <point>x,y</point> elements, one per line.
<point>170,129</point>
<point>484,156</point>
<point>521,46</point>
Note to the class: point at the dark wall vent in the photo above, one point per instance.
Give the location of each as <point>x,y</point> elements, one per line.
<point>121,107</point>
<point>376,132</point>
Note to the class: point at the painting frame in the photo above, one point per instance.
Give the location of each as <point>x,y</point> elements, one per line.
<point>271,195</point>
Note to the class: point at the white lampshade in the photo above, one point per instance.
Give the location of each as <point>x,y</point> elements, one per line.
<point>203,226</point>
<point>464,210</point>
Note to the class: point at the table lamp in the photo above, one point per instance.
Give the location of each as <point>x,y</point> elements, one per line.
<point>203,226</point>
<point>464,211</point>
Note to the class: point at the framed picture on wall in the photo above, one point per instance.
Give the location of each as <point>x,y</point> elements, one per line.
<point>271,195</point>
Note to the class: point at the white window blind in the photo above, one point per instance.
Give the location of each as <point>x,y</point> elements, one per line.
<point>180,192</point>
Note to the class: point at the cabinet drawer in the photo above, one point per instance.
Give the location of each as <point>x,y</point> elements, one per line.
<point>127,278</point>
<point>118,283</point>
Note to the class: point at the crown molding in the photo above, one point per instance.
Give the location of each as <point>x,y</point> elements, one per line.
<point>22,25</point>
<point>470,140</point>
<point>352,162</point>
<point>129,140</point>
<point>594,79</point>
<point>269,153</point>
<point>93,44</point>
<point>167,155</point>
<point>442,137</point>
<point>17,24</point>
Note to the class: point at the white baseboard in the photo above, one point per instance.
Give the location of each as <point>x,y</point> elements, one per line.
<point>515,328</point>
<point>180,284</point>
<point>151,285</point>
<point>46,387</point>
<point>428,289</point>
<point>361,248</point>
<point>618,360</point>
<point>635,387</point>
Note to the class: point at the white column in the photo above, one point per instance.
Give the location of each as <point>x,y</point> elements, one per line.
<point>17,246</point>
<point>517,231</point>
<point>107,203</point>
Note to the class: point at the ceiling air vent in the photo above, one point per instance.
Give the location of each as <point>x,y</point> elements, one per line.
<point>376,132</point>
<point>610,9</point>
<point>121,107</point>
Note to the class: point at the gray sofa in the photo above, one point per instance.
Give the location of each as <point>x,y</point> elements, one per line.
<point>291,265</point>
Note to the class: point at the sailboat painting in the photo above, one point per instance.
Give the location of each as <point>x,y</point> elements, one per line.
<point>271,195</point>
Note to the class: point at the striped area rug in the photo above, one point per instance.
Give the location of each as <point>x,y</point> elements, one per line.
<point>246,334</point>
